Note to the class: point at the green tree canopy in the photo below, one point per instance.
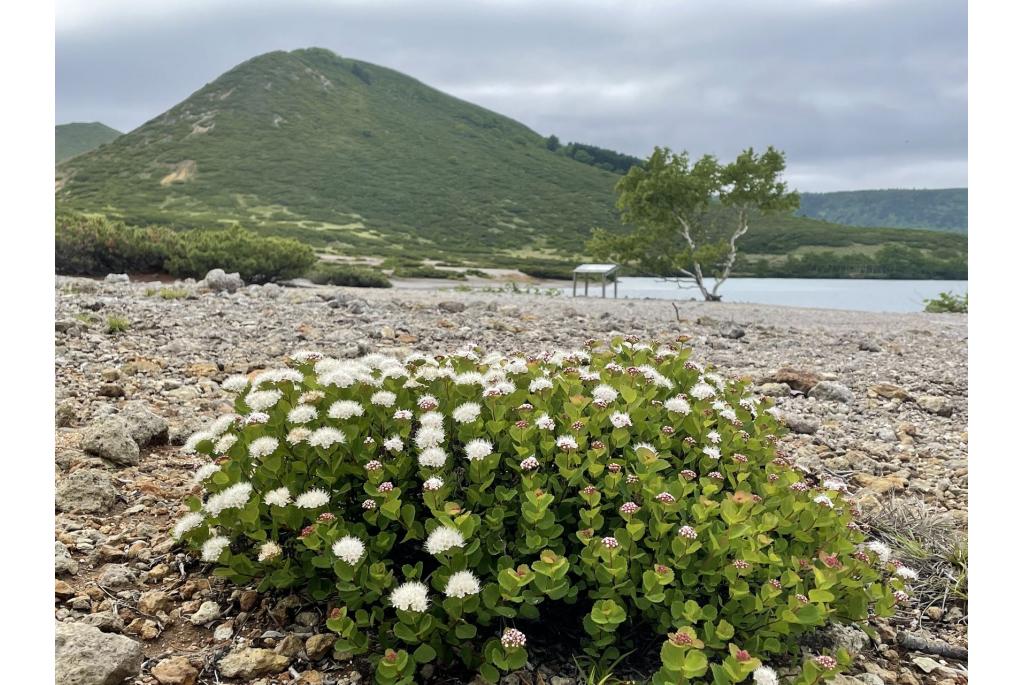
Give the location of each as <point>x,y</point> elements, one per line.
<point>690,215</point>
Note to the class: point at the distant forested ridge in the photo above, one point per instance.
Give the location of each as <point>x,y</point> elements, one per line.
<point>602,158</point>
<point>942,209</point>
<point>74,139</point>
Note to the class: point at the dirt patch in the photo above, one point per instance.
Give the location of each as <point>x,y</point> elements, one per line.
<point>183,171</point>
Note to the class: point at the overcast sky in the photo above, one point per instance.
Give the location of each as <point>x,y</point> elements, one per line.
<point>858,93</point>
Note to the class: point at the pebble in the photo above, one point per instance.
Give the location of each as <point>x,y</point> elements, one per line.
<point>175,670</point>
<point>208,611</point>
<point>251,662</point>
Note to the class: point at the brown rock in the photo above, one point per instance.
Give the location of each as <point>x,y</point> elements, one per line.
<point>311,678</point>
<point>885,674</point>
<point>63,590</point>
<point>159,571</point>
<point>111,390</point>
<point>882,485</point>
<point>154,601</point>
<point>797,379</point>
<point>202,369</point>
<point>889,391</point>
<point>250,662</point>
<point>248,600</point>
<point>141,366</point>
<point>110,553</point>
<point>317,646</point>
<point>290,645</point>
<point>144,628</point>
<point>175,671</point>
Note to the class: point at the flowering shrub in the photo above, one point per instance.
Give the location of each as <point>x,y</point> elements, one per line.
<point>444,505</point>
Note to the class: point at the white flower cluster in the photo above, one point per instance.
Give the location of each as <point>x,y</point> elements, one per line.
<point>233,497</point>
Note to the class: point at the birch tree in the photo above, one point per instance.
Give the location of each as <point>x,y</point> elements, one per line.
<point>689,217</point>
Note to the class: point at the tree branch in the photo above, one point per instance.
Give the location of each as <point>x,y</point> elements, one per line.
<point>730,261</point>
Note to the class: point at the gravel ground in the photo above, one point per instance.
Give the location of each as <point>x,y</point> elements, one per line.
<point>880,399</point>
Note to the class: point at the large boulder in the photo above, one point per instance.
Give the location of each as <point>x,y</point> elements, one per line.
<point>87,656</point>
<point>90,491</point>
<point>217,281</point>
<point>145,427</point>
<point>111,438</point>
<point>117,278</point>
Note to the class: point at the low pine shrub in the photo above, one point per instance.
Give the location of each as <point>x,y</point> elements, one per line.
<point>428,271</point>
<point>256,258</point>
<point>94,246</point>
<point>947,303</point>
<point>326,273</point>
<point>446,509</point>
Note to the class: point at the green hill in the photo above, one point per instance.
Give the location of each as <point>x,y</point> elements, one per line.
<point>339,151</point>
<point>74,139</point>
<point>941,209</point>
<point>359,159</point>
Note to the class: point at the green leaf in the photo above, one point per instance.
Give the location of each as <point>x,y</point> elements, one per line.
<point>424,653</point>
<point>724,630</point>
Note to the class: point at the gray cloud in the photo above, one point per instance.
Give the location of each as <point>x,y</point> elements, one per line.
<point>860,94</point>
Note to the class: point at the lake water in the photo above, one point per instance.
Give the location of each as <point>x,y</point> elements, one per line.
<point>872,295</point>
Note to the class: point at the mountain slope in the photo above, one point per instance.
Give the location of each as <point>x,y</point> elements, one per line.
<point>941,209</point>
<point>335,150</point>
<point>76,138</point>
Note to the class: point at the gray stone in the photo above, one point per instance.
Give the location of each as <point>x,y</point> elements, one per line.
<point>249,662</point>
<point>848,637</point>
<point>87,656</point>
<point>805,425</point>
<point>868,346</point>
<point>831,391</point>
<point>870,679</point>
<point>926,663</point>
<point>65,414</point>
<point>90,491</point>
<point>145,427</point>
<point>62,560</point>
<point>218,281</point>
<point>224,631</point>
<point>451,306</point>
<point>116,577</point>
<point>775,390</point>
<point>111,439</point>
<point>886,434</point>
<point>116,278</point>
<point>207,611</point>
<point>107,621</point>
<point>732,332</point>
<point>934,404</point>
